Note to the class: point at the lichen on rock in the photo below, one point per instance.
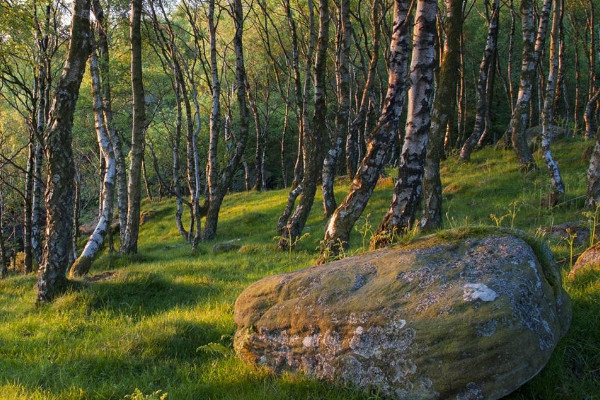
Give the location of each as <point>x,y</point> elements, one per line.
<point>470,315</point>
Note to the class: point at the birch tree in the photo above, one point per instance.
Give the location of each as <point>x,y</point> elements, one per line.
<point>377,16</point>
<point>94,244</point>
<point>533,44</point>
<point>218,189</point>
<point>113,134</point>
<point>444,105</point>
<point>558,187</point>
<point>485,67</point>
<point>408,189</point>
<point>337,233</point>
<point>3,260</point>
<point>59,185</point>
<point>313,137</point>
<point>342,78</point>
<point>129,240</point>
<point>302,89</point>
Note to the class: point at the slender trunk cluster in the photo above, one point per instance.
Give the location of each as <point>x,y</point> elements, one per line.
<point>443,107</point>
<point>313,138</point>
<point>342,77</point>
<point>486,68</point>
<point>337,233</point>
<point>302,95</point>
<point>532,47</point>
<point>358,122</point>
<point>408,189</point>
<point>217,190</point>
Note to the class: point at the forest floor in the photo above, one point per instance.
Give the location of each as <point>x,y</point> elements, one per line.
<point>162,322</point>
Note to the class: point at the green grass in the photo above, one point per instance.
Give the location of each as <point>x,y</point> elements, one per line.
<point>165,320</point>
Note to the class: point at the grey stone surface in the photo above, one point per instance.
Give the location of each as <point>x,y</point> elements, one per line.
<point>468,318</point>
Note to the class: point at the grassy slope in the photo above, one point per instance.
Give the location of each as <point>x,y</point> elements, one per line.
<point>165,321</point>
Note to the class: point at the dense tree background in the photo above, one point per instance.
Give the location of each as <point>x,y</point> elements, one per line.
<point>253,113</point>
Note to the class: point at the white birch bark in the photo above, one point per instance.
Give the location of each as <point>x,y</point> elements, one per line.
<point>94,244</point>
<point>558,187</point>
<point>58,138</point>
<point>533,44</point>
<point>408,189</point>
<point>337,233</point>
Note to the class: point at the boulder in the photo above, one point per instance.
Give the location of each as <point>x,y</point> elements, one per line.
<point>589,260</point>
<point>147,215</point>
<point>533,135</point>
<point>563,231</point>
<point>226,247</point>
<point>465,316</point>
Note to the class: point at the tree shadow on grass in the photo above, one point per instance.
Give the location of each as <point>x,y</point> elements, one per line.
<point>181,341</point>
<point>142,293</point>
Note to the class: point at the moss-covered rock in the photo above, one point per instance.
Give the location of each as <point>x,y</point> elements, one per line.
<point>450,316</point>
<point>226,247</point>
<point>589,260</point>
<point>533,135</point>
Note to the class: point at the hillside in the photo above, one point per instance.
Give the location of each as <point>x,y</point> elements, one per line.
<point>162,320</point>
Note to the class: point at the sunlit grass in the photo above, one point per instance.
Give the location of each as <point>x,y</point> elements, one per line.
<point>164,321</point>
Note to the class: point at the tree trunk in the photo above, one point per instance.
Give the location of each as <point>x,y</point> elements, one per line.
<point>342,77</point>
<point>577,107</point>
<point>129,242</point>
<point>337,233</point>
<point>176,163</point>
<point>146,181</point>
<point>218,194</point>
<point>301,92</point>
<point>116,142</point>
<point>558,187</point>
<point>489,92</point>
<point>212,169</point>
<point>94,244</point>
<point>282,146</point>
<point>443,107</point>
<point>561,94</point>
<point>532,48</point>
<point>359,120</point>
<point>3,260</point>
<point>27,209</point>
<point>192,161</point>
<point>38,209</point>
<point>59,187</point>
<point>408,187</point>
<point>260,143</point>
<point>462,96</point>
<point>510,57</point>
<point>592,78</point>
<point>246,174</point>
<point>313,137</point>
<point>73,255</point>
<point>589,117</point>
<point>482,84</point>
<point>593,177</point>
<point>197,212</point>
